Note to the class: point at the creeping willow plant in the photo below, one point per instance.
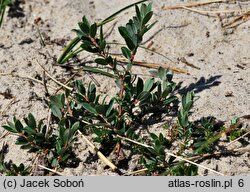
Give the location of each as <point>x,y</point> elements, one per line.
<point>81,109</point>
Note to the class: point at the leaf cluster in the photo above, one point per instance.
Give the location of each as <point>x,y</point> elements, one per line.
<point>36,137</point>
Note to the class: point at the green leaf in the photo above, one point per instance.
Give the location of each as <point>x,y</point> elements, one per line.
<point>187,101</point>
<point>10,127</point>
<point>56,111</point>
<point>58,147</point>
<point>109,60</point>
<point>93,30</point>
<point>183,118</point>
<point>118,83</point>
<point>97,71</point>
<point>143,95</point>
<point>143,10</point>
<point>101,61</point>
<point>102,44</point>
<point>126,53</point>
<point>18,126</point>
<point>98,132</point>
<point>162,74</point>
<point>29,130</point>
<point>75,127</point>
<point>84,25</point>
<point>153,136</point>
<point>54,163</point>
<point>79,33</point>
<point>110,107</point>
<point>91,92</point>
<point>147,17</point>
<point>101,109</point>
<point>139,86</point>
<point>80,87</point>
<point>89,47</point>
<point>65,157</point>
<point>89,108</point>
<point>128,39</point>
<point>148,84</point>
<point>21,141</point>
<point>170,100</point>
<point>31,121</point>
<point>138,14</point>
<point>166,91</point>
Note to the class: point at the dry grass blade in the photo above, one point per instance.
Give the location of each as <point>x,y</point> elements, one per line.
<point>27,77</point>
<point>173,155</point>
<point>193,4</point>
<point>136,172</point>
<point>238,138</point>
<point>51,170</point>
<point>152,65</point>
<point>4,134</point>
<point>100,155</point>
<point>8,105</point>
<point>215,12</point>
<point>58,82</point>
<point>183,60</point>
<point>238,20</point>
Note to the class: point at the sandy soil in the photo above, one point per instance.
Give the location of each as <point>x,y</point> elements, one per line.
<point>222,84</point>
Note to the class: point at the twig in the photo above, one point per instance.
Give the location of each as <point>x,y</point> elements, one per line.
<point>8,105</point>
<point>45,85</point>
<point>245,16</point>
<point>51,170</point>
<point>213,12</point>
<point>173,155</point>
<point>203,12</point>
<point>238,138</point>
<point>48,124</point>
<point>100,155</point>
<point>193,4</point>
<point>151,65</point>
<point>27,77</point>
<point>136,172</point>
<point>243,150</point>
<point>4,134</point>
<point>58,82</point>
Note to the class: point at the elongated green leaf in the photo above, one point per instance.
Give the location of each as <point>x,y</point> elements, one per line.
<point>29,130</point>
<point>153,136</point>
<point>110,107</point>
<point>10,127</point>
<point>170,100</point>
<point>75,127</point>
<point>18,126</point>
<point>31,121</point>
<point>148,84</point>
<point>98,71</point>
<point>93,30</point>
<point>89,108</point>
<point>143,95</point>
<point>56,111</point>
<point>147,17</point>
<point>80,87</point>
<point>21,141</point>
<point>128,39</point>
<point>162,74</point>
<point>126,53</point>
<point>101,61</point>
